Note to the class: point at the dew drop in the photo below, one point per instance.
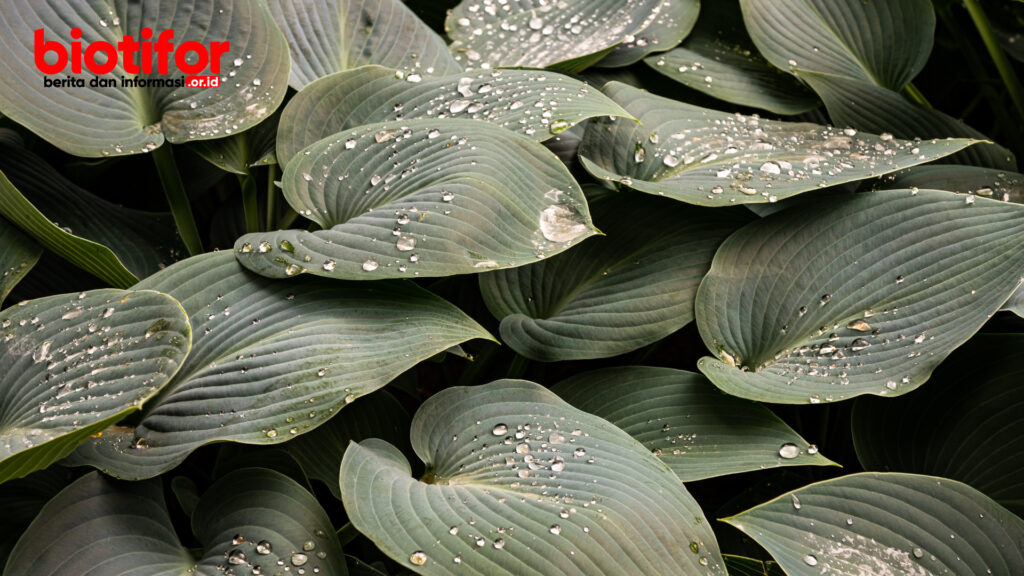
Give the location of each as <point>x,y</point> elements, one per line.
<point>561,223</point>
<point>810,560</point>
<point>860,325</point>
<point>555,529</point>
<point>789,451</point>
<point>499,430</point>
<point>236,557</point>
<point>404,244</point>
<point>859,344</point>
<point>263,547</point>
<point>370,265</point>
<point>299,559</point>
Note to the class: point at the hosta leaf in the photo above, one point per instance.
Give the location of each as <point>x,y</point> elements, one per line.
<point>741,566</point>
<point>987,182</point>
<point>328,36</point>
<point>72,364</point>
<point>570,35</point>
<point>254,74</point>
<point>519,482</point>
<point>673,22</point>
<point>251,517</point>
<point>614,293</point>
<point>689,424</point>
<point>240,152</point>
<point>424,197</point>
<point>873,108</point>
<point>271,360</point>
<point>884,43</point>
<point>22,499</point>
<point>887,524</point>
<point>713,158</point>
<point>536,103</point>
<point>116,244</point>
<point>377,415</point>
<point>19,255</point>
<point>859,294</point>
<point>941,429</point>
<point>719,59</point>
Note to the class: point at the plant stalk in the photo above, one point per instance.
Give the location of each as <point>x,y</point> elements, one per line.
<point>271,196</point>
<point>347,533</point>
<point>174,189</point>
<point>1002,63</point>
<point>916,95</point>
<point>250,202</point>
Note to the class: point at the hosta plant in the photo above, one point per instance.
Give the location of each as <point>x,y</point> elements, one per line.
<point>523,287</point>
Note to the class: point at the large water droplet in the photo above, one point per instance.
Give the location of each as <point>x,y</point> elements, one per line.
<point>859,344</point>
<point>263,547</point>
<point>370,265</point>
<point>499,430</point>
<point>405,244</point>
<point>810,560</point>
<point>42,352</point>
<point>555,529</point>
<point>562,223</point>
<point>789,451</point>
<point>299,559</point>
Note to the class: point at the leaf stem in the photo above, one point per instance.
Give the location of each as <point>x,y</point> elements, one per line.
<point>174,189</point>
<point>271,196</point>
<point>347,533</point>
<point>1003,65</point>
<point>916,95</point>
<point>250,202</point>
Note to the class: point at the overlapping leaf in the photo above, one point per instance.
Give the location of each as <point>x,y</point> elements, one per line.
<point>328,36</point>
<point>615,293</point>
<point>19,255</point>
<point>570,35</point>
<point>673,21</point>
<point>116,244</point>
<point>72,364</point>
<point>964,425</point>
<point>242,151</point>
<point>250,522</point>
<point>985,182</point>
<point>422,198</point>
<point>860,294</point>
<point>519,482</point>
<point>887,524</point>
<point>691,426</point>
<point>254,74</point>
<point>720,60</point>
<point>271,360</point>
<point>539,104</point>
<point>706,157</point>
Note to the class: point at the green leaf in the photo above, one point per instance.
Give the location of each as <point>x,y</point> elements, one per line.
<point>140,119</point>
<point>873,108</point>
<point>116,244</point>
<point>240,152</point>
<point>943,430</point>
<point>570,35</point>
<point>719,48</point>
<point>377,415</point>
<point>271,360</point>
<point>887,524</point>
<point>616,293</point>
<point>883,43</point>
<point>70,365</point>
<point>987,182</point>
<point>508,98</point>
<point>741,566</point>
<point>686,422</point>
<point>19,255</point>
<point>672,22</point>
<point>328,36</point>
<point>519,482</point>
<point>858,294</point>
<point>22,499</point>
<point>422,198</point>
<point>712,158</point>
<point>251,517</point>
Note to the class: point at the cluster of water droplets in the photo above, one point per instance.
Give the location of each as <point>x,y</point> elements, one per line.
<point>261,557</point>
<point>492,33</point>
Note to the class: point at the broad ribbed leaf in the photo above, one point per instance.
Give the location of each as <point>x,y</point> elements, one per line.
<point>614,293</point>
<point>987,182</point>
<point>673,22</point>
<point>539,104</point>
<point>271,360</point>
<point>689,424</point>
<point>519,482</point>
<point>19,255</point>
<point>570,35</point>
<point>72,364</point>
<point>22,499</point>
<point>884,43</point>
<point>242,151</point>
<point>719,59</point>
<point>377,415</point>
<point>712,158</point>
<point>741,566</point>
<point>422,198</point>
<point>328,36</point>
<point>873,108</point>
<point>887,524</point>
<point>253,72</point>
<point>965,424</point>
<point>859,294</point>
<point>116,244</point>
<point>252,521</point>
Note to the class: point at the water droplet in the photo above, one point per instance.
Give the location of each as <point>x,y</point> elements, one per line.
<point>499,430</point>
<point>308,545</point>
<point>299,559</point>
<point>559,126</point>
<point>555,529</point>
<point>859,344</point>
<point>350,144</point>
<point>370,265</point>
<point>237,62</point>
<point>796,502</point>
<point>561,223</point>
<point>447,196</point>
<point>404,244</point>
<point>453,530</point>
<point>236,557</point>
<point>42,352</point>
<point>271,433</point>
<point>330,265</point>
<point>263,547</point>
<point>556,438</point>
<point>789,451</point>
<point>536,23</point>
<point>256,82</point>
<point>579,453</point>
<point>671,161</point>
<point>771,168</point>
<point>458,106</point>
<point>499,544</point>
<point>246,248</point>
<point>918,553</point>
<point>860,325</point>
<point>810,560</point>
